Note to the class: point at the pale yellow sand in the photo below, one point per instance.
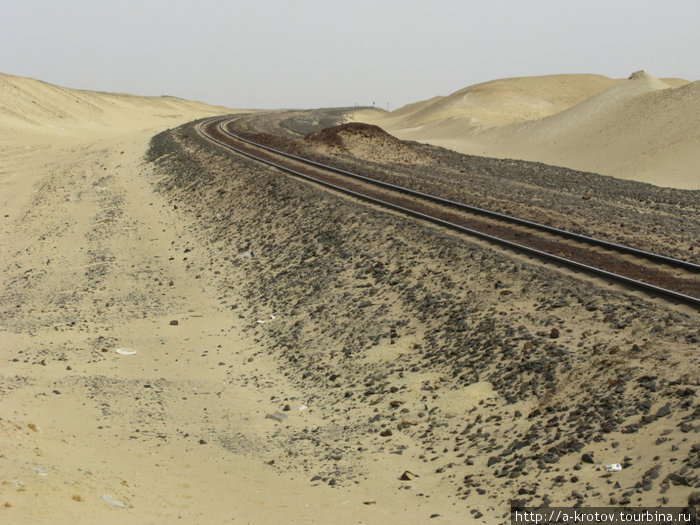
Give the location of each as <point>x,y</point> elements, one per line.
<point>640,128</point>
<point>86,251</point>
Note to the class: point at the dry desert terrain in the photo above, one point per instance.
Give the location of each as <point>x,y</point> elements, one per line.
<point>188,336</point>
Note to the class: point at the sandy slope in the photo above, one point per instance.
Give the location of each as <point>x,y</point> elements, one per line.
<point>31,105</point>
<point>504,101</point>
<point>85,249</point>
<point>80,421</point>
<point>94,260</point>
<point>641,128</point>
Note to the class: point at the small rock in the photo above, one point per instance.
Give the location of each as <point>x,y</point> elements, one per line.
<point>550,458</point>
<point>276,416</point>
<point>694,498</point>
<point>174,322</point>
<point>686,427</point>
<point>607,426</point>
<point>386,433</point>
<point>407,476</point>
<point>588,458</point>
<point>554,334</point>
<point>664,411</point>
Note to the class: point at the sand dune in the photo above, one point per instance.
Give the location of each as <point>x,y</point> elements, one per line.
<point>506,101</point>
<point>31,105</point>
<point>641,128</point>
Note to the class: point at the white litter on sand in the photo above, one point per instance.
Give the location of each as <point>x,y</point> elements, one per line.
<point>109,499</point>
<point>126,351</point>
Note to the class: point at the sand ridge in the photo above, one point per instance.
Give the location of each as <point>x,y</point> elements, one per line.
<point>640,128</point>
<point>32,105</point>
<point>501,102</point>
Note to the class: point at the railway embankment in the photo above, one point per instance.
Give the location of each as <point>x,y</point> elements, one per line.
<point>456,365</point>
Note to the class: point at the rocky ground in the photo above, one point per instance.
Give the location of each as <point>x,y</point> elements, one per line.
<point>662,220</point>
<point>463,368</point>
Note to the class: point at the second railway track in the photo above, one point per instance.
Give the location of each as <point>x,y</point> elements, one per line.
<point>654,273</point>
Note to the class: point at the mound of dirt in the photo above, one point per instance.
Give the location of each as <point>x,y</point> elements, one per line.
<point>365,141</point>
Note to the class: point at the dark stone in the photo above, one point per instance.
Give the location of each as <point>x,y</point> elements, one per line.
<point>174,322</point>
<point>588,458</point>
<point>678,479</point>
<point>664,411</point>
<point>550,458</point>
<point>607,426</point>
<point>687,427</point>
<point>694,498</point>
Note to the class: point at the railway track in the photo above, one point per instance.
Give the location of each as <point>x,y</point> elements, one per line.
<point>658,275</point>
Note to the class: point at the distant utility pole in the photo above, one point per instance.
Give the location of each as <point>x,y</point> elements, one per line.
<point>387,106</point>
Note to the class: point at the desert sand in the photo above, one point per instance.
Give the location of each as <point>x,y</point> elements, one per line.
<point>95,261</point>
<point>641,128</point>
<point>189,337</point>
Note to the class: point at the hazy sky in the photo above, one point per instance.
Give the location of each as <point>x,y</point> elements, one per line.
<point>312,53</point>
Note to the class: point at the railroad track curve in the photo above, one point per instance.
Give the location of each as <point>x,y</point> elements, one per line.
<point>655,274</point>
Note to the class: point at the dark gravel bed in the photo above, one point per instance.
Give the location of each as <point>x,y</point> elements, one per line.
<point>661,220</point>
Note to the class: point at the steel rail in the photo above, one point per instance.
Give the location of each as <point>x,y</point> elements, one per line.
<point>474,209</point>
<point>670,294</point>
